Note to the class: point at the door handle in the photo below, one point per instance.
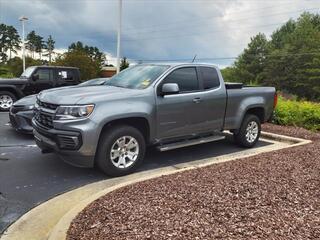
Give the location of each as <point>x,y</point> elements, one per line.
<point>197,100</point>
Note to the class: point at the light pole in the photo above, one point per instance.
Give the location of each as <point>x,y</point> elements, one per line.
<point>22,20</point>
<point>119,36</point>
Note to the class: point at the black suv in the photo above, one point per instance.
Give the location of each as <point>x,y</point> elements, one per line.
<point>35,79</point>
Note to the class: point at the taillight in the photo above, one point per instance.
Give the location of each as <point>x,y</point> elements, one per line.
<point>275,100</point>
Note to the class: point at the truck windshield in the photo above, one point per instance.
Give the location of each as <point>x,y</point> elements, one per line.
<point>137,77</point>
<point>27,73</point>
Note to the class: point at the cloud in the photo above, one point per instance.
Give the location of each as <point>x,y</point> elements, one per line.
<point>159,29</point>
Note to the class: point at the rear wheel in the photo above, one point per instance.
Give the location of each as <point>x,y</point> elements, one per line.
<point>6,100</point>
<point>121,150</point>
<point>249,132</point>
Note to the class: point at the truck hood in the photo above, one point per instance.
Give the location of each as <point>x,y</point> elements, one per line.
<point>85,94</point>
<point>11,81</point>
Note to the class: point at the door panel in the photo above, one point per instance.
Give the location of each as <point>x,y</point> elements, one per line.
<point>180,114</point>
<point>44,79</point>
<point>177,115</point>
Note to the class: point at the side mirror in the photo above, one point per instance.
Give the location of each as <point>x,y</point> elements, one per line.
<point>169,88</point>
<point>35,77</point>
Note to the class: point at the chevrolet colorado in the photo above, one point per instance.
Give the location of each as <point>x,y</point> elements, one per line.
<point>165,105</point>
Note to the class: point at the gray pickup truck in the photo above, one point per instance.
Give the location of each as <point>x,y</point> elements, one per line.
<point>164,105</point>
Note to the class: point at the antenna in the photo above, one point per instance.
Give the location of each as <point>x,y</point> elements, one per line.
<point>194,58</point>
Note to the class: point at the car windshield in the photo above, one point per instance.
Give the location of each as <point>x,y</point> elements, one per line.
<point>137,77</point>
<point>27,73</point>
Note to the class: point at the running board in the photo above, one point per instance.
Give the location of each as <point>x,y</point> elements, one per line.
<point>186,143</point>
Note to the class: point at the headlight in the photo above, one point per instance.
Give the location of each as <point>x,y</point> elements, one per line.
<point>73,112</point>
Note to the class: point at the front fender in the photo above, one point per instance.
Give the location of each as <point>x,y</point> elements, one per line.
<point>12,88</point>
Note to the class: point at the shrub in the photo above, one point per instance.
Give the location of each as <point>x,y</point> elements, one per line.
<point>298,113</point>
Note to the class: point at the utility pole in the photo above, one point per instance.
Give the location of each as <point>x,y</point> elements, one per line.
<point>22,20</point>
<point>119,35</point>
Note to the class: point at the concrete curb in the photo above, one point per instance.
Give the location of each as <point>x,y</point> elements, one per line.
<point>51,219</point>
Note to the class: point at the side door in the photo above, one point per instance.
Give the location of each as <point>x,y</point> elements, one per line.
<point>179,114</point>
<point>43,79</point>
<point>213,97</point>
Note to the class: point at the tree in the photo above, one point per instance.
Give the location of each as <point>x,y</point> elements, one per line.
<point>34,43</point>
<point>39,45</point>
<point>88,67</point>
<point>3,42</point>
<point>93,52</point>
<point>49,46</point>
<point>289,61</point>
<point>31,42</point>
<point>251,62</point>
<point>14,41</point>
<point>124,64</point>
<point>15,64</point>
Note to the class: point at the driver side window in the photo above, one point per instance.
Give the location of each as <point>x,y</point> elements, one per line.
<point>185,77</point>
<point>43,75</point>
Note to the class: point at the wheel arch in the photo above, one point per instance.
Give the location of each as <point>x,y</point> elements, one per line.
<point>18,94</point>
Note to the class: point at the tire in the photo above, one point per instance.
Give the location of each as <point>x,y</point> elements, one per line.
<point>249,132</point>
<point>6,100</point>
<point>111,140</point>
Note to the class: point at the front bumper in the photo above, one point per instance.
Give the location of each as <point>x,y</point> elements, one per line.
<point>66,144</point>
<point>21,121</point>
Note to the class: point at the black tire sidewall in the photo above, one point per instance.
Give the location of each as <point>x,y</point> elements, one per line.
<point>14,98</point>
<point>107,140</point>
<point>240,137</point>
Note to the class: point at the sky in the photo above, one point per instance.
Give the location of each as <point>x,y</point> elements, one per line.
<point>214,30</point>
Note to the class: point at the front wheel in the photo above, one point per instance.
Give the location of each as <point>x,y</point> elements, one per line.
<point>121,150</point>
<point>249,132</point>
<point>6,100</point>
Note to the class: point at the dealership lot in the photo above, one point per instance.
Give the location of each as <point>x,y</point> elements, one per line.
<point>28,178</point>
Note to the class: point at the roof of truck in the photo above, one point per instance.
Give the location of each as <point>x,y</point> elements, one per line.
<point>49,66</point>
<point>174,64</point>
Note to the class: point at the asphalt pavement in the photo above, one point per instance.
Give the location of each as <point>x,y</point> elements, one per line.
<point>28,177</point>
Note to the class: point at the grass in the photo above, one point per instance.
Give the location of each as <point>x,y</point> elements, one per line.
<point>297,113</point>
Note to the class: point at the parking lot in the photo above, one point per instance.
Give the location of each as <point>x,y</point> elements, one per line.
<point>28,177</point>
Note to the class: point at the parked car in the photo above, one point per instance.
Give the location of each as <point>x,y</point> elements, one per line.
<point>35,79</point>
<point>165,105</point>
<point>22,111</point>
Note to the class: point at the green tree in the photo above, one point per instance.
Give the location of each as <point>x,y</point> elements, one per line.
<point>35,43</point>
<point>93,52</point>
<point>15,65</point>
<point>13,40</point>
<point>31,42</point>
<point>124,64</point>
<point>39,45</point>
<point>251,62</point>
<point>290,60</point>
<point>49,47</point>
<point>3,42</point>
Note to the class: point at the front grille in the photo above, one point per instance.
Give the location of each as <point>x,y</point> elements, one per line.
<point>47,105</point>
<point>44,115</point>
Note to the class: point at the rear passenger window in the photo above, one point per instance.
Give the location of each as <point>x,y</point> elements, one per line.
<point>186,78</point>
<point>66,75</point>
<point>210,77</point>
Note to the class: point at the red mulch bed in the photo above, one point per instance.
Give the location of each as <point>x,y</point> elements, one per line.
<point>273,195</point>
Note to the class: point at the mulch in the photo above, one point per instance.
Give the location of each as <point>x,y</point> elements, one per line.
<point>273,195</point>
